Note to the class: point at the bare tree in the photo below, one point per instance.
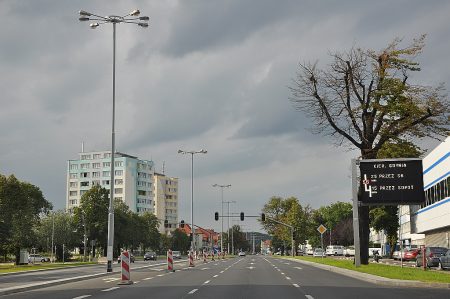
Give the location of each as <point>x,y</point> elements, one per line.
<point>365,99</point>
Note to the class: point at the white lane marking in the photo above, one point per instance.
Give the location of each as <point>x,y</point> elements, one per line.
<point>136,282</point>
<point>288,278</point>
<point>282,273</point>
<point>221,271</point>
<point>309,296</point>
<point>216,264</point>
<point>111,279</point>
<point>193,291</point>
<point>215,275</point>
<point>295,285</point>
<point>300,268</point>
<point>81,297</point>
<point>160,275</point>
<point>205,268</point>
<point>278,270</point>
<point>206,282</point>
<point>148,278</point>
<point>110,289</point>
<point>287,263</point>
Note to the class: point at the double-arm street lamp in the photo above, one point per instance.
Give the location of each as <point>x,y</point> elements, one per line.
<point>192,153</point>
<point>221,233</point>
<point>131,18</point>
<point>228,221</point>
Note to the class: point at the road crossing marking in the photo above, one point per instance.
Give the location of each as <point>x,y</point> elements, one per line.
<point>309,296</point>
<point>295,285</point>
<point>221,271</point>
<point>193,291</point>
<point>288,278</point>
<point>111,279</point>
<point>110,289</point>
<point>282,273</point>
<point>206,282</point>
<point>81,297</point>
<point>215,275</point>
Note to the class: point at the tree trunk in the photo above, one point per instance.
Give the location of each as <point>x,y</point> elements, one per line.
<point>17,252</point>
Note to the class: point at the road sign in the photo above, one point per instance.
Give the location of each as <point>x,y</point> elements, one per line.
<point>321,229</point>
<point>392,181</point>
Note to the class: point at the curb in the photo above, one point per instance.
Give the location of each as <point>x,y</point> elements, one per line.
<point>378,280</point>
<point>44,284</point>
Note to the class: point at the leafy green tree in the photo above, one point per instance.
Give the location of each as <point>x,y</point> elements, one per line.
<point>365,99</point>
<point>180,241</point>
<point>94,204</point>
<point>151,235</point>
<point>21,204</point>
<point>331,217</point>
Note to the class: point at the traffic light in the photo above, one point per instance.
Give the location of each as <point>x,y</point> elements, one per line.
<point>242,216</point>
<point>216,216</point>
<point>263,217</point>
<point>166,223</point>
<point>182,224</point>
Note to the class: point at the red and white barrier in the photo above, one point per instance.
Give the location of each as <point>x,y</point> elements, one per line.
<point>191,259</point>
<point>125,266</point>
<point>170,261</point>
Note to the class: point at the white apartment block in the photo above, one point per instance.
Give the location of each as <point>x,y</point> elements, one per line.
<point>133,179</point>
<point>166,201</point>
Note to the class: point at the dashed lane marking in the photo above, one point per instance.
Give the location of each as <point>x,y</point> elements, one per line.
<point>309,296</point>
<point>81,297</point>
<point>221,271</point>
<point>215,275</point>
<point>288,278</point>
<point>295,285</point>
<point>148,278</point>
<point>300,268</point>
<point>110,289</point>
<point>206,282</point>
<point>193,291</point>
<point>160,275</point>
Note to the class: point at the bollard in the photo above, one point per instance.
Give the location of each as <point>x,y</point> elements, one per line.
<point>205,260</point>
<point>170,261</point>
<point>212,256</point>
<point>125,265</point>
<point>191,259</point>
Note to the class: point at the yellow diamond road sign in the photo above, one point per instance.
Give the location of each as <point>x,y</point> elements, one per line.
<point>321,229</point>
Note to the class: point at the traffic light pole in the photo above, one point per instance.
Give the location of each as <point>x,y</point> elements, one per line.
<point>292,231</point>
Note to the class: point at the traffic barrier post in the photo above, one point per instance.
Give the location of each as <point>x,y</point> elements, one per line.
<point>125,268</point>
<point>191,259</point>
<point>170,261</point>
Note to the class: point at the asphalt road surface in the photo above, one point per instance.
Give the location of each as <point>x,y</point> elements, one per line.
<point>247,277</point>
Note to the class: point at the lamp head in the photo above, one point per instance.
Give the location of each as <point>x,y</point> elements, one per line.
<point>85,13</point>
<point>135,13</point>
<point>94,25</point>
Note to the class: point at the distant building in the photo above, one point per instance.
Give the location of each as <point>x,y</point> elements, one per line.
<point>166,201</point>
<point>133,179</point>
<point>204,238</point>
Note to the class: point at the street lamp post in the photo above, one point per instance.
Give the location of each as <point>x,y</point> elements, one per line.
<point>228,222</point>
<point>131,18</point>
<point>192,153</point>
<point>222,202</point>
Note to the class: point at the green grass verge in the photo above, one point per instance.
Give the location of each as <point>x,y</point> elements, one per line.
<point>393,272</point>
<point>11,268</point>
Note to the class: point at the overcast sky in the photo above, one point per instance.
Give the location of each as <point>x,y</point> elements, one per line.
<point>205,75</point>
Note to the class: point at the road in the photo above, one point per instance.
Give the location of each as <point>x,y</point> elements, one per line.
<point>247,277</point>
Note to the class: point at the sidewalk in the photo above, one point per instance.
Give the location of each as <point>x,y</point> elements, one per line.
<point>378,280</point>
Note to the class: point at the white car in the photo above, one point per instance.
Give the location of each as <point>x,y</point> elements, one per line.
<point>176,255</point>
<point>241,253</point>
<point>318,252</point>
<point>335,250</point>
<point>37,258</point>
<point>349,251</point>
<point>309,251</point>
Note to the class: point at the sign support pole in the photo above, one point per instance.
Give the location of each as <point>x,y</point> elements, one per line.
<point>356,239</point>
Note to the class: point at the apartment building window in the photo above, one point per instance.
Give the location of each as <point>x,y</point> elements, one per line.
<point>84,184</point>
<point>96,165</point>
<point>118,172</point>
<point>97,156</point>
<point>106,164</point>
<point>73,193</point>
<point>107,155</point>
<point>95,183</point>
<point>118,164</point>
<point>73,166</point>
<point>73,175</point>
<point>84,165</point>
<point>142,192</point>
<point>73,184</point>
<point>106,173</point>
<point>85,157</point>
<point>118,182</point>
<point>105,182</point>
<point>118,190</point>
<point>96,174</point>
<point>73,202</point>
<point>84,174</point>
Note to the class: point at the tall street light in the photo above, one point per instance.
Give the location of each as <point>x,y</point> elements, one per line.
<point>228,221</point>
<point>221,233</point>
<point>131,18</point>
<point>192,153</point>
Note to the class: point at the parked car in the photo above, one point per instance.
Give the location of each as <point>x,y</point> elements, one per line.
<point>349,251</point>
<point>35,257</point>
<point>335,250</point>
<point>241,253</point>
<point>444,261</point>
<point>398,255</point>
<point>176,255</point>
<point>131,258</point>
<point>432,255</point>
<point>411,255</point>
<point>319,252</point>
<point>309,251</point>
<point>150,256</point>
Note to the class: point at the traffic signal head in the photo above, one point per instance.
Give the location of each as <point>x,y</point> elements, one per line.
<point>182,224</point>
<point>216,216</point>
<point>166,223</point>
<point>263,217</point>
<point>242,216</point>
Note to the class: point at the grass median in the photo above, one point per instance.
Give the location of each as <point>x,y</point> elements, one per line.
<point>393,272</point>
<point>11,268</point>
